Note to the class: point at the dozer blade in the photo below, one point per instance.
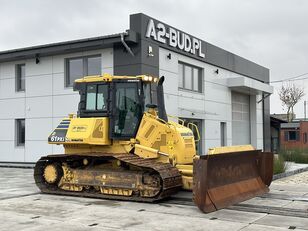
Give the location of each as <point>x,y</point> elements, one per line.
<point>221,180</point>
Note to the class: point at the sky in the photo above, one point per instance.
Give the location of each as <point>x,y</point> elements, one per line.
<point>272,33</point>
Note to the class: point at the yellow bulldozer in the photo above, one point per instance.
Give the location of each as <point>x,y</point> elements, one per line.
<point>121,145</point>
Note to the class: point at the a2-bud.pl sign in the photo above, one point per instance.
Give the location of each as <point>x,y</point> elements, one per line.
<point>174,38</point>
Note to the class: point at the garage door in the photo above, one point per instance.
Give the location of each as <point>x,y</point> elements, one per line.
<point>240,119</point>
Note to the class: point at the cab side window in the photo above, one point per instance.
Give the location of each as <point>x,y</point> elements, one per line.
<point>96,98</point>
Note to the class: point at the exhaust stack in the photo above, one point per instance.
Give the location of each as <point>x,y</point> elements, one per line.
<point>160,100</point>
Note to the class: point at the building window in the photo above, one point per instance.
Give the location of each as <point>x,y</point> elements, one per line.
<point>20,77</point>
<point>223,134</point>
<point>190,77</point>
<point>83,66</point>
<point>291,135</point>
<point>20,132</point>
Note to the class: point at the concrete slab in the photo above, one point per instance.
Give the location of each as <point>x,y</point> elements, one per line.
<point>283,221</point>
<point>266,202</point>
<point>31,212</point>
<point>22,207</point>
<point>255,227</point>
<point>303,205</point>
<point>294,189</point>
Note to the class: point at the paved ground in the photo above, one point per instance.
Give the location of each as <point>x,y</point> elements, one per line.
<point>22,207</point>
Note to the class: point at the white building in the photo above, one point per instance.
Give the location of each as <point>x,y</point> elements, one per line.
<point>224,94</point>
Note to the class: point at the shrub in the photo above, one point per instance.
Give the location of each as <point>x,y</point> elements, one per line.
<point>279,165</point>
<point>296,155</point>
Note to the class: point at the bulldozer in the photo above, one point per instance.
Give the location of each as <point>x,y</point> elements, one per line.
<point>122,145</point>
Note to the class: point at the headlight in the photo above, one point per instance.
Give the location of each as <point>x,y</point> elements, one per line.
<point>146,78</point>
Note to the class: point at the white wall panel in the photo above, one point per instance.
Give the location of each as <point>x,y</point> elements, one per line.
<point>217,93</point>
<point>7,89</point>
<point>7,130</point>
<point>38,129</point>
<point>166,64</point>
<point>107,58</point>
<point>35,149</point>
<point>211,144</point>
<point>212,130</point>
<point>192,103</point>
<point>12,108</point>
<point>65,104</point>
<point>58,65</point>
<point>218,111</point>
<point>39,85</point>
<point>171,103</point>
<point>7,70</point>
<point>44,67</point>
<point>10,153</point>
<point>37,107</point>
<point>260,144</point>
<point>170,83</point>
<point>260,130</point>
<point>58,87</point>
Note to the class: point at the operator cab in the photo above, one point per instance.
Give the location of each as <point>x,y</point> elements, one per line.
<point>123,100</point>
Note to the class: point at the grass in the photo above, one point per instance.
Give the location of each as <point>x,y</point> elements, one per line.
<point>279,165</point>
<point>296,155</point>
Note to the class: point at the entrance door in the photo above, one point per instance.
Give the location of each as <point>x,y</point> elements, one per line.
<point>240,119</point>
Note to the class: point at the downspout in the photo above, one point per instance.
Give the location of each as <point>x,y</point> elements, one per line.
<point>125,44</point>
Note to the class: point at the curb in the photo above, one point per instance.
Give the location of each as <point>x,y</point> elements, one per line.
<point>291,173</point>
<point>16,165</point>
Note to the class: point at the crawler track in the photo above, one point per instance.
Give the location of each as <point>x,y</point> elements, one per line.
<point>170,178</point>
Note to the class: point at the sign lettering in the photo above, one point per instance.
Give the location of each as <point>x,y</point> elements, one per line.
<point>174,38</point>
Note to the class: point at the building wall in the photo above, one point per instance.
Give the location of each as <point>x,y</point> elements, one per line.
<point>300,142</point>
<point>212,106</point>
<point>45,101</point>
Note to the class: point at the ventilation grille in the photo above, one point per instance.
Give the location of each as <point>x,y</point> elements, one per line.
<point>188,143</point>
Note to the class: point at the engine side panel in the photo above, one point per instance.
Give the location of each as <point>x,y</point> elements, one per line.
<point>168,137</point>
<point>94,131</point>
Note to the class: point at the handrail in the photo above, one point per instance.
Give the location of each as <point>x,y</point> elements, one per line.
<point>191,126</point>
<point>165,122</point>
<point>181,121</point>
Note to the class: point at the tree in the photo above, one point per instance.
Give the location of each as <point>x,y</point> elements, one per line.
<point>290,95</point>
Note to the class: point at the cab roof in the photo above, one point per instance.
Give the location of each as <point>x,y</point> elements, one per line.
<point>109,78</point>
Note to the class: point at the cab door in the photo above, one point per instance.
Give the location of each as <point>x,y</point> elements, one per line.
<point>127,109</point>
